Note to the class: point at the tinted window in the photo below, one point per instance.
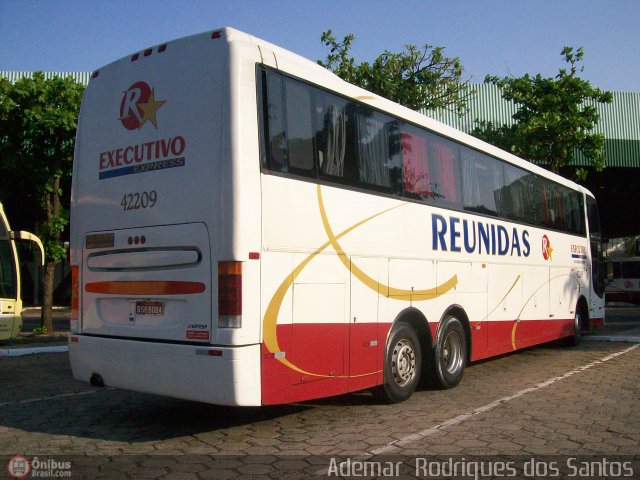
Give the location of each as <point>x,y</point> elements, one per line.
<point>299,106</point>
<point>482,181</point>
<point>277,146</point>
<point>415,164</point>
<point>311,132</point>
<point>431,168</point>
<point>7,266</point>
<point>378,150</point>
<point>631,270</point>
<point>512,198</point>
<point>335,137</point>
<point>597,264</point>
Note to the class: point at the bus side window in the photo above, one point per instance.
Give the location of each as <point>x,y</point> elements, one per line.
<point>512,197</point>
<point>7,266</point>
<point>444,163</point>
<point>378,150</point>
<point>482,181</point>
<point>635,271</point>
<point>331,136</point>
<point>277,145</point>
<point>415,162</point>
<point>300,128</point>
<point>617,270</point>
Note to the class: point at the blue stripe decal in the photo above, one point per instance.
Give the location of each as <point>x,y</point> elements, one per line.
<point>145,167</point>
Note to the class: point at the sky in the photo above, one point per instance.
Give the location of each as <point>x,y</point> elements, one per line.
<point>495,37</point>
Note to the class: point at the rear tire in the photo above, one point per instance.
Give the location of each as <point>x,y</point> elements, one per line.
<point>450,353</point>
<point>402,365</point>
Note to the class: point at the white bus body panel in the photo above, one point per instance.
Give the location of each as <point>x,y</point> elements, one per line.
<point>175,251</point>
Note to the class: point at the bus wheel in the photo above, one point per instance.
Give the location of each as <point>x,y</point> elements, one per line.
<point>402,365</point>
<point>450,353</point>
<point>574,340</point>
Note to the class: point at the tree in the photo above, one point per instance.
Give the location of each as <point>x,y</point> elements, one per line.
<point>37,133</point>
<point>417,79</point>
<point>555,117</point>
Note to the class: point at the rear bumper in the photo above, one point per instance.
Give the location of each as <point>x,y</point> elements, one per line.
<point>229,377</point>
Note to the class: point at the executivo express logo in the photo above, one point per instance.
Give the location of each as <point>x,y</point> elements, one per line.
<point>482,238</point>
<point>139,107</point>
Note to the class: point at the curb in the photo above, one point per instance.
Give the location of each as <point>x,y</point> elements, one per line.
<point>612,338</point>
<point>18,352</point>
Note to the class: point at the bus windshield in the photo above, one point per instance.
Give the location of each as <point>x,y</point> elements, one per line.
<point>7,265</point>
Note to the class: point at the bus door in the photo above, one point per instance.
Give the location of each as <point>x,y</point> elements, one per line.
<point>8,285</point>
<point>10,301</point>
<point>364,338</point>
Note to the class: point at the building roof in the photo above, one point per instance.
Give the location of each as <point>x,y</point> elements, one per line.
<point>619,121</point>
<point>80,77</point>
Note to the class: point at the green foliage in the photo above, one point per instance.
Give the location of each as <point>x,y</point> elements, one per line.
<point>40,330</point>
<point>554,118</point>
<point>416,78</point>
<point>37,133</point>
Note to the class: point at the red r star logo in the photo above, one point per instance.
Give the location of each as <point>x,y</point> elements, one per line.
<point>138,106</point>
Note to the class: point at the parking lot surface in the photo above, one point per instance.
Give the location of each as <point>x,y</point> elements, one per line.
<point>543,401</point>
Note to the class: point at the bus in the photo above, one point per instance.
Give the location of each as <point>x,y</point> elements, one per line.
<point>10,288</point>
<point>249,229</point>
<point>623,280</point>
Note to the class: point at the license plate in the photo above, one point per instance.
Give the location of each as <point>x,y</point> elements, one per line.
<point>150,308</point>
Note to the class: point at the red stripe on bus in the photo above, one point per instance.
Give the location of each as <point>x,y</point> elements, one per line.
<point>145,288</point>
<point>324,348</point>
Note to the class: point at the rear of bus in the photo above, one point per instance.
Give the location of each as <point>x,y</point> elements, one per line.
<point>165,229</point>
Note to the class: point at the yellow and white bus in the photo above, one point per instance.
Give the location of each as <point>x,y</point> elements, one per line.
<point>10,288</point>
<point>249,229</point>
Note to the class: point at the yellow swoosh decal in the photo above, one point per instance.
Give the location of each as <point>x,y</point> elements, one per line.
<point>270,319</point>
<point>374,285</point>
<point>517,321</point>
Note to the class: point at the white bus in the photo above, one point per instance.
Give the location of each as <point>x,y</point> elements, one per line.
<point>623,280</point>
<point>10,287</point>
<point>248,229</point>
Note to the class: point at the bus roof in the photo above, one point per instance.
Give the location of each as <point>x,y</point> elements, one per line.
<point>312,72</point>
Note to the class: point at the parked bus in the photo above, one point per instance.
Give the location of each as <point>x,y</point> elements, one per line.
<point>623,280</point>
<point>10,288</point>
<point>249,229</point>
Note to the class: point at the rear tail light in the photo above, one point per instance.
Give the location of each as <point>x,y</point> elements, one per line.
<point>229,294</point>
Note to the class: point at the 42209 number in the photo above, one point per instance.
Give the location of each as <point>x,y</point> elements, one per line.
<point>139,200</point>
